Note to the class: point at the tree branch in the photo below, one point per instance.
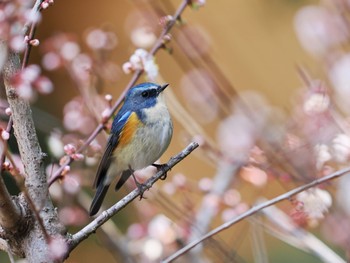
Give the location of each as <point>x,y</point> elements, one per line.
<point>10,212</point>
<point>24,129</point>
<point>107,214</point>
<point>254,210</point>
<point>36,192</point>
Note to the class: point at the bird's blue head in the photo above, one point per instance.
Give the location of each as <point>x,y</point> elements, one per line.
<point>144,95</point>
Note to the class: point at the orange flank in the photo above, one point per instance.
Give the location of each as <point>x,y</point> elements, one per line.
<point>129,129</point>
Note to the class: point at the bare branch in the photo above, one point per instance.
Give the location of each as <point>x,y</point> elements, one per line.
<point>254,210</point>
<point>36,191</point>
<point>10,213</point>
<point>107,214</point>
<point>26,137</point>
<point>113,239</point>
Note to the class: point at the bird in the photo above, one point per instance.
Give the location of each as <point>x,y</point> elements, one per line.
<point>141,132</point>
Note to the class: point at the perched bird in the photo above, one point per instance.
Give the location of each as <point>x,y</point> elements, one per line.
<point>140,134</point>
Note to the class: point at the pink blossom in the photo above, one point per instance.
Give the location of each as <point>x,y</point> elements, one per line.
<point>152,249</point>
<point>58,248</point>
<point>232,197</point>
<point>51,61</point>
<point>341,148</point>
<point>5,135</point>
<point>141,59</point>
<point>254,175</point>
<point>72,216</point>
<point>136,231</point>
<point>143,37</point>
<point>43,85</point>
<point>127,67</point>
<point>161,228</point>
<point>17,43</point>
<point>34,42</point>
<point>319,29</point>
<point>179,180</point>
<point>315,202</point>
<point>108,97</point>
<point>71,184</point>
<point>8,111</point>
<point>96,39</point>
<point>205,184</point>
<point>69,50</point>
<point>169,188</point>
<point>69,149</point>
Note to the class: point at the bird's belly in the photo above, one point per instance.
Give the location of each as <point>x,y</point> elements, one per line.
<point>147,145</point>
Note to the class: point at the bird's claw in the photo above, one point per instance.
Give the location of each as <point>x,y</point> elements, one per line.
<point>162,167</point>
<point>142,188</point>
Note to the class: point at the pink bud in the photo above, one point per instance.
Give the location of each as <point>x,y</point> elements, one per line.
<point>44,5</point>
<point>165,20</point>
<point>44,85</point>
<point>34,42</point>
<point>106,114</point>
<point>69,149</point>
<point>5,135</point>
<point>77,156</point>
<point>127,68</point>
<point>8,111</point>
<point>66,170</point>
<point>108,97</point>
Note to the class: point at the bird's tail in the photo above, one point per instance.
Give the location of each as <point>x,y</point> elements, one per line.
<point>98,198</point>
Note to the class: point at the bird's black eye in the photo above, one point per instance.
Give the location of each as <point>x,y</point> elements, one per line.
<point>145,94</point>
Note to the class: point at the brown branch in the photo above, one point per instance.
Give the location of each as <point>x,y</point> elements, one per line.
<point>10,213</point>
<point>84,233</point>
<point>32,159</point>
<point>158,45</point>
<point>255,209</point>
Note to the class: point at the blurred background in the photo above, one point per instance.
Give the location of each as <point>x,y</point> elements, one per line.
<point>261,86</point>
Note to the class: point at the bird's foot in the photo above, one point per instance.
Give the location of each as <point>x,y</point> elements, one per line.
<point>162,167</point>
<point>142,187</point>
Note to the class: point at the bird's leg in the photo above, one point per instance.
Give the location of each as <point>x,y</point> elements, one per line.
<point>142,187</point>
<point>162,167</point>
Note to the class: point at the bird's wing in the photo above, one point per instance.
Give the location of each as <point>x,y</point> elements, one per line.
<point>113,141</point>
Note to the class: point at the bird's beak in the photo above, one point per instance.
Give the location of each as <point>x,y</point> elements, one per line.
<point>161,88</point>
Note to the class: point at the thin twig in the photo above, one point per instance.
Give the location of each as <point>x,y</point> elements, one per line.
<point>254,210</point>
<point>158,45</point>
<point>10,212</point>
<point>30,36</point>
<point>107,214</point>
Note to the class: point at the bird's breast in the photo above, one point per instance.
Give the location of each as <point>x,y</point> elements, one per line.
<point>148,141</point>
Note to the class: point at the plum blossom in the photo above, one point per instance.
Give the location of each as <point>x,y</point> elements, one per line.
<point>29,82</point>
<point>98,39</point>
<point>315,202</point>
<point>341,148</point>
<point>319,29</point>
<point>142,60</point>
<point>323,155</point>
<point>5,135</point>
<point>13,17</point>
<point>71,150</point>
<point>143,37</point>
